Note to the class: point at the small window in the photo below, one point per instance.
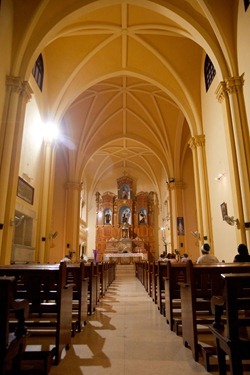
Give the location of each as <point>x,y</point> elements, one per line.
<point>38,71</point>
<point>209,72</point>
<point>246,3</point>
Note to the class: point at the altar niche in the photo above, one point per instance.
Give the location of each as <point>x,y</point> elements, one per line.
<point>126,215</point>
<point>142,216</point>
<point>107,216</point>
<point>124,192</point>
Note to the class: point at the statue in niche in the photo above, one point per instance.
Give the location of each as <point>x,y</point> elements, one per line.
<point>125,215</point>
<point>142,216</point>
<point>107,216</point>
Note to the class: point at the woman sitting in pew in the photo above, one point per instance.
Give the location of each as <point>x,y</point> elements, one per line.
<point>243,255</point>
<point>206,257</point>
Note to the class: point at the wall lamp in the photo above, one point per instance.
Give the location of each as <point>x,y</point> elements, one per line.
<point>196,235</point>
<point>17,221</point>
<point>219,177</point>
<point>231,220</point>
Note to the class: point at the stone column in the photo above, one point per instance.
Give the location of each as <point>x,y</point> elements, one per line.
<point>176,210</point>
<point>73,214</point>
<point>46,202</point>
<point>18,93</point>
<point>230,94</point>
<point>197,145</point>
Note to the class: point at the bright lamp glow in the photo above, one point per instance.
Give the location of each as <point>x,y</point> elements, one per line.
<point>50,131</point>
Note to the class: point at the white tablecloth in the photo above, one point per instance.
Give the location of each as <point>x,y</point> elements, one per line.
<point>125,255</point>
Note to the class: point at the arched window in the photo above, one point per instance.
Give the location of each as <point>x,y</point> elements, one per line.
<point>38,71</point>
<point>209,72</point>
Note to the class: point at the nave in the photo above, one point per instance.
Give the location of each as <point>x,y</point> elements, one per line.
<point>127,335</point>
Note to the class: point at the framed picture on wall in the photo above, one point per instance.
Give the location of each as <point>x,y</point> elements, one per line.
<point>124,192</point>
<point>180,226</point>
<point>25,191</point>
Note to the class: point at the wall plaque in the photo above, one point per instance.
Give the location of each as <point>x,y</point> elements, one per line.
<point>25,191</point>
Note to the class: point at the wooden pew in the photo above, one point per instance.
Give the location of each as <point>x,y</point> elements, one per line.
<point>149,277</point>
<point>233,338</point>
<point>176,273</point>
<point>12,342</point>
<point>50,301</point>
<point>111,272</point>
<point>103,278</point>
<point>202,282</point>
<point>92,287</point>
<point>154,282</point>
<point>76,276</point>
<point>160,276</point>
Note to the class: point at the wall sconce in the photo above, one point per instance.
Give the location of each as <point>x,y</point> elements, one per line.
<point>196,234</point>
<point>219,177</point>
<point>171,179</point>
<point>231,220</point>
<point>17,221</point>
<point>53,235</point>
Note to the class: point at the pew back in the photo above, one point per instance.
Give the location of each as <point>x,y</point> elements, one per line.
<point>202,282</point>
<point>234,338</point>
<point>46,289</point>
<point>176,273</point>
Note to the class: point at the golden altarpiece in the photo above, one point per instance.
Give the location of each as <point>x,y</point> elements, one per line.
<point>125,223</point>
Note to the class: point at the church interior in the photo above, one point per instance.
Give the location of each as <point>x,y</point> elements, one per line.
<point>124,130</point>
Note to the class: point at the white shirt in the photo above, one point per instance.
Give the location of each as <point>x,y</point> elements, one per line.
<point>207,259</point>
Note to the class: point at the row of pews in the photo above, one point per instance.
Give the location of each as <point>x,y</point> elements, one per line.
<point>42,307</point>
<point>208,305</point>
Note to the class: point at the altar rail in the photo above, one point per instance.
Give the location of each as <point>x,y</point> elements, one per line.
<point>125,258</point>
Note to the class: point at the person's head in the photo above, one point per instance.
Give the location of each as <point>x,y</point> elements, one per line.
<point>242,249</point>
<point>185,255</point>
<point>205,248</point>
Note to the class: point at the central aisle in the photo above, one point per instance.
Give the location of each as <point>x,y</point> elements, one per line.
<point>126,336</point>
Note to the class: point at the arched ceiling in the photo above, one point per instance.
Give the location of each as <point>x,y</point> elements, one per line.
<point>123,78</point>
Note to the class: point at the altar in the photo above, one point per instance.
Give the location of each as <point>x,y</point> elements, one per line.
<point>125,258</point>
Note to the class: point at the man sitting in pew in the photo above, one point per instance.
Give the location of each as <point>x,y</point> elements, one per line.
<point>206,257</point>
<point>243,255</point>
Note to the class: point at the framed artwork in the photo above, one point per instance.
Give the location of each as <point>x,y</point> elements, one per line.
<point>124,192</point>
<point>180,226</point>
<point>223,208</point>
<point>25,191</point>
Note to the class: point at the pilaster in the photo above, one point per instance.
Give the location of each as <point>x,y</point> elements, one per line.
<point>230,94</point>
<point>18,93</point>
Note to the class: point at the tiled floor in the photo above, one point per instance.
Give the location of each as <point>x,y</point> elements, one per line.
<point>127,336</point>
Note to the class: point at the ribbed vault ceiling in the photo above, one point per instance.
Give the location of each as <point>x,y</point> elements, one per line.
<point>123,79</point>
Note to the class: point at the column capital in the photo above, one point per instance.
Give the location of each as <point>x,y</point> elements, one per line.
<point>26,91</point>
<point>17,85</point>
<point>234,83</point>
<point>14,83</point>
<point>73,185</point>
<point>176,185</point>
<point>229,86</point>
<point>197,141</point>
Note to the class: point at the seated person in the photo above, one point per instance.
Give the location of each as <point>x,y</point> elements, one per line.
<point>66,259</point>
<point>206,258</point>
<point>243,255</point>
<point>185,258</point>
